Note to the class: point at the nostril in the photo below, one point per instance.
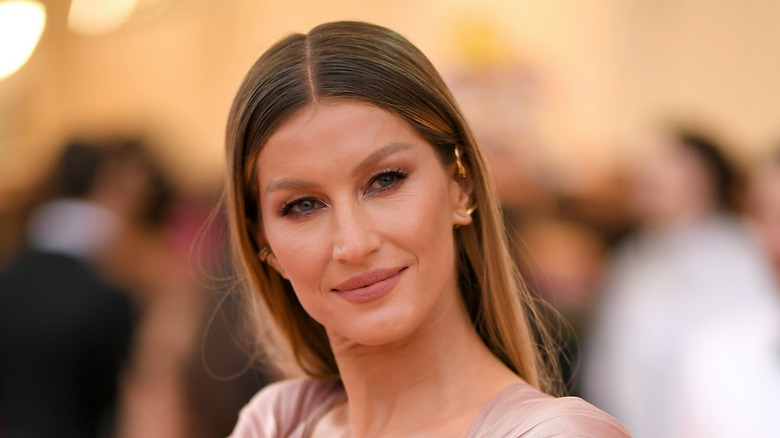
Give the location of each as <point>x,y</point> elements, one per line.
<point>354,236</point>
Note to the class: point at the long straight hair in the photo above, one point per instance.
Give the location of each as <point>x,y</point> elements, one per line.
<point>372,64</point>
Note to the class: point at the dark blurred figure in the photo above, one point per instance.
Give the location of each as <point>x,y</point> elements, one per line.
<point>692,266</point>
<point>65,330</point>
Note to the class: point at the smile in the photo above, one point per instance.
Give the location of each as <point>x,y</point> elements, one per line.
<point>369,286</point>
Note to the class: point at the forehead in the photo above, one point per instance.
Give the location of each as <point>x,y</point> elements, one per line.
<point>334,131</point>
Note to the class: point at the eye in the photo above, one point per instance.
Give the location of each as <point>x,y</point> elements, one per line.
<point>301,207</point>
<point>385,181</point>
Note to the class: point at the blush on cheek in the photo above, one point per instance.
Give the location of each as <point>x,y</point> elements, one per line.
<point>427,233</point>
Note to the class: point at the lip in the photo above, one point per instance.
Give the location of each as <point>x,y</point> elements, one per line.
<point>369,286</point>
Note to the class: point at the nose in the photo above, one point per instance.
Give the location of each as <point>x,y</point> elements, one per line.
<point>354,235</point>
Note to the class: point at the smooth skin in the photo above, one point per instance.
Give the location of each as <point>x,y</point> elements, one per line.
<point>347,188</point>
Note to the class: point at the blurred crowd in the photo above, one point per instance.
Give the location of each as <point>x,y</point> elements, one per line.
<point>110,323</point>
<point>116,317</point>
<point>662,274</point>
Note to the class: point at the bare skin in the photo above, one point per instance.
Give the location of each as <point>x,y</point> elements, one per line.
<point>349,189</point>
<point>434,384</point>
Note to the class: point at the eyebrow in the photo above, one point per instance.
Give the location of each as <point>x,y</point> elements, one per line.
<point>379,154</point>
<point>290,184</point>
<point>373,158</point>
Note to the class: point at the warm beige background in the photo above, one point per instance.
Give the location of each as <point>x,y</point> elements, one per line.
<point>603,71</point>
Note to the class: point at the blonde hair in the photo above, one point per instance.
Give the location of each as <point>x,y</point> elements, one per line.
<point>372,64</point>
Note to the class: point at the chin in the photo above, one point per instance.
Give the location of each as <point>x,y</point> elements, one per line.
<point>377,330</point>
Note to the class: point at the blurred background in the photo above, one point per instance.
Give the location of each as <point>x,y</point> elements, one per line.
<point>628,141</point>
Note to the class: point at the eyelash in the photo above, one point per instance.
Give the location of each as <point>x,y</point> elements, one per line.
<point>399,176</point>
<point>397,173</point>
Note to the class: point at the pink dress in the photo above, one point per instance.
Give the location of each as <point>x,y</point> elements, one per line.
<point>291,409</point>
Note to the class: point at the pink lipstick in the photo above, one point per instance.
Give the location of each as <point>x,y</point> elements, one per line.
<point>369,286</point>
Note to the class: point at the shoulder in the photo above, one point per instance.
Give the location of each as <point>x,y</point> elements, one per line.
<point>523,411</point>
<point>281,407</point>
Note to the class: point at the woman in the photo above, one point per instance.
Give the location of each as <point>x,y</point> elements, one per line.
<point>363,215</point>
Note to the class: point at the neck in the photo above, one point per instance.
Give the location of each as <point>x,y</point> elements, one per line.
<point>442,372</point>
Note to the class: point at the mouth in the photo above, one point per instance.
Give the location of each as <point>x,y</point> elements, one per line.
<point>369,286</point>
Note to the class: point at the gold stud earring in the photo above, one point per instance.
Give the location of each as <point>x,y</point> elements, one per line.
<point>471,209</point>
<point>459,164</point>
<point>264,253</point>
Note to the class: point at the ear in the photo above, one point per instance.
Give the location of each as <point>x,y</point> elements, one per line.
<point>462,197</point>
<point>270,258</point>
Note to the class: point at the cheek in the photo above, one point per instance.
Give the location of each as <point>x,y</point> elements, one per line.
<point>305,258</point>
<point>421,225</point>
<point>301,251</point>
<point>424,226</point>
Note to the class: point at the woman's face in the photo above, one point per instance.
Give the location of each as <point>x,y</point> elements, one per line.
<point>359,213</point>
